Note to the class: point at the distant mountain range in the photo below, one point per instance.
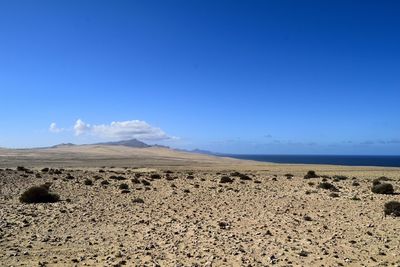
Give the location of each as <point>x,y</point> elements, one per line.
<point>137,144</point>
<point>129,143</point>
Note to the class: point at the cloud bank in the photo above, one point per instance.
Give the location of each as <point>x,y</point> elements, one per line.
<point>117,130</point>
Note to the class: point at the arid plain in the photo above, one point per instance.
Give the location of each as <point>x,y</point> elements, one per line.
<point>185,209</point>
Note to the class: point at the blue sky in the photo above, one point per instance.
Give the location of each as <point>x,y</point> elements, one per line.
<point>286,77</point>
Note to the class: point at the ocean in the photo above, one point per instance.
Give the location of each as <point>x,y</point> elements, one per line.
<point>381,161</point>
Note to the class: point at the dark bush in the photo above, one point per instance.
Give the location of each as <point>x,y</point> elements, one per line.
<point>21,169</point>
<point>88,182</point>
<point>384,188</point>
<point>289,175</point>
<point>392,208</point>
<point>46,185</point>
<point>190,177</point>
<point>226,179</point>
<point>38,194</point>
<point>310,174</point>
<point>328,186</point>
<point>337,178</point>
<point>155,176</point>
<point>355,183</point>
<point>118,178</point>
<point>333,194</point>
<point>235,174</point>
<point>135,180</point>
<point>138,200</point>
<point>45,170</point>
<point>138,174</point>
<point>123,186</point>
<point>146,183</point>
<point>168,171</point>
<point>104,182</point>
<point>244,177</point>
<point>379,180</point>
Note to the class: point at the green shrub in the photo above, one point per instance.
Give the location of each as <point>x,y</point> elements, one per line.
<point>38,194</point>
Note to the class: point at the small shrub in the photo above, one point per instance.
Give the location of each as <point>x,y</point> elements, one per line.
<point>45,170</point>
<point>135,180</point>
<point>226,179</point>
<point>328,186</point>
<point>289,175</point>
<point>138,200</point>
<point>47,185</point>
<point>355,198</point>
<point>355,183</point>
<point>138,174</point>
<point>125,191</point>
<point>190,177</point>
<point>118,178</point>
<point>146,183</point>
<point>88,182</point>
<point>168,171</point>
<point>384,188</point>
<point>105,182</point>
<point>123,186</point>
<point>155,176</point>
<point>379,180</point>
<point>235,174</point>
<point>38,194</point>
<point>21,169</point>
<point>334,195</point>
<point>244,177</point>
<point>311,174</point>
<point>392,208</point>
<point>340,177</point>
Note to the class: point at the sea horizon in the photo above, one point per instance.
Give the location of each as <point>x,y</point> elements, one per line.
<point>344,160</point>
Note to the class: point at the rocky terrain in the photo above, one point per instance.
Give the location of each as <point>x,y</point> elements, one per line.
<point>246,214</point>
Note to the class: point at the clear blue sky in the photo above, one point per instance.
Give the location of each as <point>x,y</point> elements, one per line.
<point>231,76</point>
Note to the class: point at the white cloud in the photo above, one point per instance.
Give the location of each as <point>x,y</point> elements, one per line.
<point>54,129</point>
<point>80,127</point>
<point>122,130</point>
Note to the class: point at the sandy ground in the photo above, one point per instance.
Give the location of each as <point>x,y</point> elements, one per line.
<point>188,217</point>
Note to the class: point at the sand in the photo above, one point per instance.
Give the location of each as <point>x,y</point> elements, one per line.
<point>189,218</point>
